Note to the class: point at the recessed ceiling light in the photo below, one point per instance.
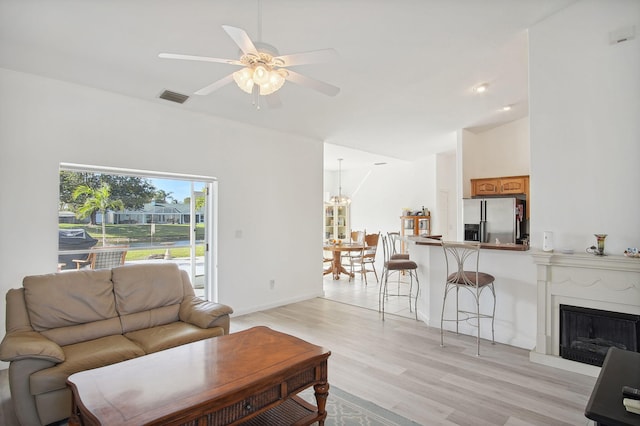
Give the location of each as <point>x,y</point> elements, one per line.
<point>481,88</point>
<point>506,108</point>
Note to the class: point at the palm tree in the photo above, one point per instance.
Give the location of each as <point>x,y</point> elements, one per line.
<point>98,200</point>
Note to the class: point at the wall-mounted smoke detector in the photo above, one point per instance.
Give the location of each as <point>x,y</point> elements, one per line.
<point>168,95</point>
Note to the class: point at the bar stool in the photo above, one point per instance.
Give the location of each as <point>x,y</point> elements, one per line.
<point>394,239</point>
<point>397,265</point>
<point>456,255</point>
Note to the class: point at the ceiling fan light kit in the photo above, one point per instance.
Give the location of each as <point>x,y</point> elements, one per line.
<point>261,70</point>
<point>263,67</point>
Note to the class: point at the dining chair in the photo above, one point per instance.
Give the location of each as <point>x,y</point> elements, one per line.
<point>462,262</point>
<point>366,257</point>
<point>407,266</point>
<point>357,237</point>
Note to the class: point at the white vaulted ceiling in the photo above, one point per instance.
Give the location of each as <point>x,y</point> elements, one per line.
<point>405,68</point>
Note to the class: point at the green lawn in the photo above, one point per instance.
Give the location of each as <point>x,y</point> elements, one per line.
<point>141,233</point>
<point>175,253</point>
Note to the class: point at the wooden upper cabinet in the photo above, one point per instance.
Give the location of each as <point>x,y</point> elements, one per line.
<point>508,185</point>
<point>500,185</point>
<point>485,186</point>
<point>514,185</point>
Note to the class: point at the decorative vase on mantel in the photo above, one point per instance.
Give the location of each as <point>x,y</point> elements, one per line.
<point>598,251</point>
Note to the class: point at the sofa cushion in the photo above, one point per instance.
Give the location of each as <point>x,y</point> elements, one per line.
<point>167,336</point>
<point>148,295</point>
<point>150,318</point>
<point>83,356</point>
<point>82,332</point>
<point>66,299</point>
<point>146,286</point>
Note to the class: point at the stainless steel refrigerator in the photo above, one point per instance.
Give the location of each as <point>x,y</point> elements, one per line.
<point>491,220</point>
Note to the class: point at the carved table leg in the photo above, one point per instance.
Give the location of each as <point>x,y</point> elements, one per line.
<point>74,419</point>
<point>337,264</point>
<point>321,393</point>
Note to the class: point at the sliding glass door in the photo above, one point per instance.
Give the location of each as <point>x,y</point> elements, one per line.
<point>152,217</point>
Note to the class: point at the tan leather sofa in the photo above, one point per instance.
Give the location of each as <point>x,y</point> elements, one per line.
<point>59,324</point>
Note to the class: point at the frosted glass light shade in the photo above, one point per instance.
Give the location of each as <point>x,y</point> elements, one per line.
<point>273,83</point>
<point>243,79</point>
<point>269,81</point>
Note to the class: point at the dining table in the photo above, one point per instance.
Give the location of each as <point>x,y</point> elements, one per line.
<point>336,264</point>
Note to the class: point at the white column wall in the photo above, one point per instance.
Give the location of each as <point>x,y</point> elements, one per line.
<point>584,110</point>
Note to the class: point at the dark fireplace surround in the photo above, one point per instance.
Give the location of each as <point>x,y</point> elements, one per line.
<point>587,334</point>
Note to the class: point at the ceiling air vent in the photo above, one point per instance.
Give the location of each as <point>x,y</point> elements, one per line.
<point>173,96</point>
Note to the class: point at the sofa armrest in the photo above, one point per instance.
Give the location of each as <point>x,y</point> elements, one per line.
<point>29,344</point>
<point>204,314</point>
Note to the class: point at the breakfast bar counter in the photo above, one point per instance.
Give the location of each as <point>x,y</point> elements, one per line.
<point>515,285</point>
<point>426,241</point>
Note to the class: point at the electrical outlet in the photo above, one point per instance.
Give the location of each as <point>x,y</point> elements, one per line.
<point>272,284</point>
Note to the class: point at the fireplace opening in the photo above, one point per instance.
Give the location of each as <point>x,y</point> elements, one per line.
<point>587,334</point>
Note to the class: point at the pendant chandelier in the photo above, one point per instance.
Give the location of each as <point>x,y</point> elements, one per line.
<point>340,199</point>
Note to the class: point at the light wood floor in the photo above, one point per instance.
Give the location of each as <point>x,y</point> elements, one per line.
<point>399,364</point>
<point>358,293</point>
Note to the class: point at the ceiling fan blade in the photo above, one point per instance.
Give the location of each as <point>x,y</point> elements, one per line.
<point>274,101</point>
<point>320,86</point>
<point>215,85</point>
<point>241,38</point>
<point>198,58</point>
<point>311,57</point>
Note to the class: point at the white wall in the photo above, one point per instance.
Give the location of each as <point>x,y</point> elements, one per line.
<point>501,151</point>
<point>44,122</point>
<point>585,126</point>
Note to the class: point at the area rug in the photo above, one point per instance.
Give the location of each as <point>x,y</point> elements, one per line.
<point>345,409</point>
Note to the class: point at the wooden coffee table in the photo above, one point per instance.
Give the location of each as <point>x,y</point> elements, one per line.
<point>251,376</point>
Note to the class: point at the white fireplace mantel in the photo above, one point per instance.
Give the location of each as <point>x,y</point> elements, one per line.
<point>609,283</point>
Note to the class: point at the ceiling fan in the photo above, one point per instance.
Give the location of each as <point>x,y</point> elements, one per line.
<point>264,70</point>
